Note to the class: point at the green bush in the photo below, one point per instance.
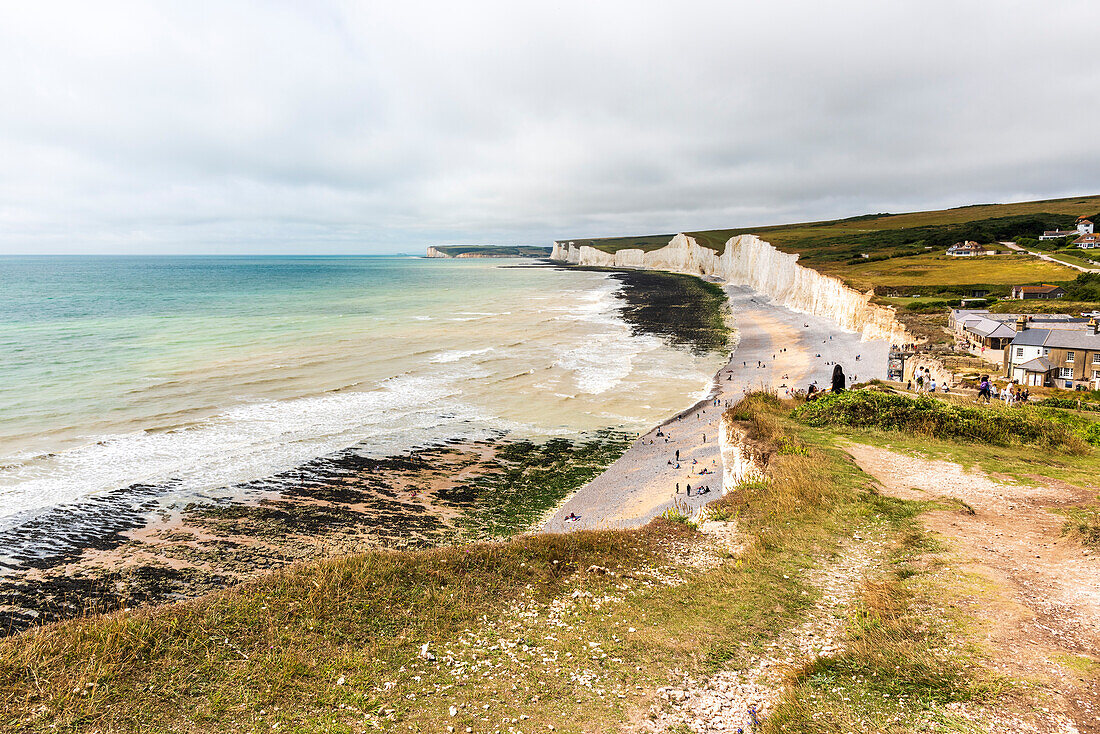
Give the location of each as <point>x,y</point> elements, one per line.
<point>931,417</point>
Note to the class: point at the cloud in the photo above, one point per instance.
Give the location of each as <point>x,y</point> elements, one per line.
<point>376,127</point>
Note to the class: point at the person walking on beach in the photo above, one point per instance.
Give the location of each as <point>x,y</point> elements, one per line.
<point>677,454</point>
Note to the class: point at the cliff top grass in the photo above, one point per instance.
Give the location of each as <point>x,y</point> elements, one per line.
<point>837,247</point>
<point>935,418</point>
<point>574,632</point>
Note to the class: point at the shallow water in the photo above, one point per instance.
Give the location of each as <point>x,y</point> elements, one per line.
<point>194,373</point>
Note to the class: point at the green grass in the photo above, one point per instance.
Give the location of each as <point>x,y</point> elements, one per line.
<point>1083,524</point>
<point>1076,256</point>
<point>937,269</point>
<point>334,645</point>
<point>927,416</point>
<point>572,631</point>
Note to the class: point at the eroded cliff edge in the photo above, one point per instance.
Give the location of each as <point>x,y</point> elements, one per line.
<point>749,260</point>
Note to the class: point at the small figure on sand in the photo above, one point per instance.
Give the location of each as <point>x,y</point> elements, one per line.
<point>572,517</point>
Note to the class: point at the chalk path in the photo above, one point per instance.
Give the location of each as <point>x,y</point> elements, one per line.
<point>642,483</point>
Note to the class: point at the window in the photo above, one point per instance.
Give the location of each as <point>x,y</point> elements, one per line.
<point>1069,357</point>
<point>1019,351</point>
<point>1066,373</point>
<point>1096,374</point>
<point>1046,351</point>
<point>1096,357</point>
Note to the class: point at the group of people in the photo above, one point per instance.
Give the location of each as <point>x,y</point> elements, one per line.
<point>1012,394</point>
<point>926,383</point>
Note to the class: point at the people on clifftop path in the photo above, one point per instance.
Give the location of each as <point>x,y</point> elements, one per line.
<point>838,379</point>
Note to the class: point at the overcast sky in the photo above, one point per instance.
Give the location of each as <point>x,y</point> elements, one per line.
<point>376,126</point>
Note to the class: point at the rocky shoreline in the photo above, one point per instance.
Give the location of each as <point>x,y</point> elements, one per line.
<point>127,548</point>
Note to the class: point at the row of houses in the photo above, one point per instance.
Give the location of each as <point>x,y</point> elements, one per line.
<point>1083,227</point>
<point>1053,350</point>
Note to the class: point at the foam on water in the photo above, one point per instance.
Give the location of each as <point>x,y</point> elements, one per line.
<point>449,350</point>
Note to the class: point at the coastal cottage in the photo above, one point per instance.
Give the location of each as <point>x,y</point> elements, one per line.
<point>981,332</point>
<point>1088,241</point>
<point>1067,357</point>
<point>1043,292</point>
<point>965,249</point>
<point>1083,227</point>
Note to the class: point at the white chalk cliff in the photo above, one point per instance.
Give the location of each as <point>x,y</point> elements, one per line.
<point>749,260</point>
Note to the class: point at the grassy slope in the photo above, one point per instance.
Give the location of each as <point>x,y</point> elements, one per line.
<point>831,246</point>
<point>333,646</point>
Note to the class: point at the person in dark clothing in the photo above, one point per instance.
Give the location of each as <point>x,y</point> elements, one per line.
<point>838,379</point>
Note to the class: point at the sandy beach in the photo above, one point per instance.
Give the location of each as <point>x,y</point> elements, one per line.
<point>776,349</point>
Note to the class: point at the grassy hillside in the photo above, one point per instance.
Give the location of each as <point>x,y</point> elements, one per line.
<point>837,247</point>
<point>566,633</point>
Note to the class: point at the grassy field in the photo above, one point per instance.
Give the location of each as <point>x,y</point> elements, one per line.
<point>570,633</point>
<point>936,269</point>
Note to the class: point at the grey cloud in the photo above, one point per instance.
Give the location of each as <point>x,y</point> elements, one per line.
<point>377,127</point>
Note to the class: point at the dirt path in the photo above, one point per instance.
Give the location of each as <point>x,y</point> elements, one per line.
<point>1042,608</point>
<point>730,700</point>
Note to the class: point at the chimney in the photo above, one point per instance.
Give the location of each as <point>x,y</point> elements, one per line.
<point>1094,326</point>
<point>1021,323</point>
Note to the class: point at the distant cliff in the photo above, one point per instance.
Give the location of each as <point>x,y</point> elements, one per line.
<point>749,260</point>
<point>488,251</point>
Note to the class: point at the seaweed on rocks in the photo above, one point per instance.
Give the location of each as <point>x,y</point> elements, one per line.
<point>686,311</point>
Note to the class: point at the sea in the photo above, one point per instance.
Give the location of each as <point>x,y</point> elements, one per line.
<point>190,374</point>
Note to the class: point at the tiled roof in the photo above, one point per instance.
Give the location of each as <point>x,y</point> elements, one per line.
<point>1038,288</point>
<point>1057,338</point>
<point>1039,364</point>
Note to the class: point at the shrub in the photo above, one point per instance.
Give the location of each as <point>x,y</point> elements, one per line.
<point>930,417</point>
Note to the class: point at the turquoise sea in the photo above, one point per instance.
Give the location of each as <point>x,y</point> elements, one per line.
<point>196,373</point>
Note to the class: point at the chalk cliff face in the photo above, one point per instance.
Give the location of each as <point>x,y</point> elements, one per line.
<point>749,260</point>
<point>741,461</point>
<point>432,252</point>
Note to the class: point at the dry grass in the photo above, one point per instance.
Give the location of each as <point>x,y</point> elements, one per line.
<point>938,269</point>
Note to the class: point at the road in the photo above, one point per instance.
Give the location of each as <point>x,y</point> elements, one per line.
<point>1048,258</point>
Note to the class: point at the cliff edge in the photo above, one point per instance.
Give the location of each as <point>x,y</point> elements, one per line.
<point>749,260</point>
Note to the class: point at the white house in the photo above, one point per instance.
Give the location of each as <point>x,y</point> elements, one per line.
<point>965,249</point>
<point>1084,226</point>
<point>1088,241</point>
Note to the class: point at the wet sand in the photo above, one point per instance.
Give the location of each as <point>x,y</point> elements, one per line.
<point>642,484</point>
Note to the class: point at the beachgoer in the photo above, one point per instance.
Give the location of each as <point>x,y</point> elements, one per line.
<point>838,379</point>
<point>677,454</point>
<point>689,490</point>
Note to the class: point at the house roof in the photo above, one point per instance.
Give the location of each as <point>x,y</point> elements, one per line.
<point>1045,288</point>
<point>1057,338</point>
<point>988,328</point>
<point>1039,364</point>
<point>1087,238</point>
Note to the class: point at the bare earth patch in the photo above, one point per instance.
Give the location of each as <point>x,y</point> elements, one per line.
<point>1041,597</point>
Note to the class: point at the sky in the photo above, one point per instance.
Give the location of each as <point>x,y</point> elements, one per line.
<point>378,127</point>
